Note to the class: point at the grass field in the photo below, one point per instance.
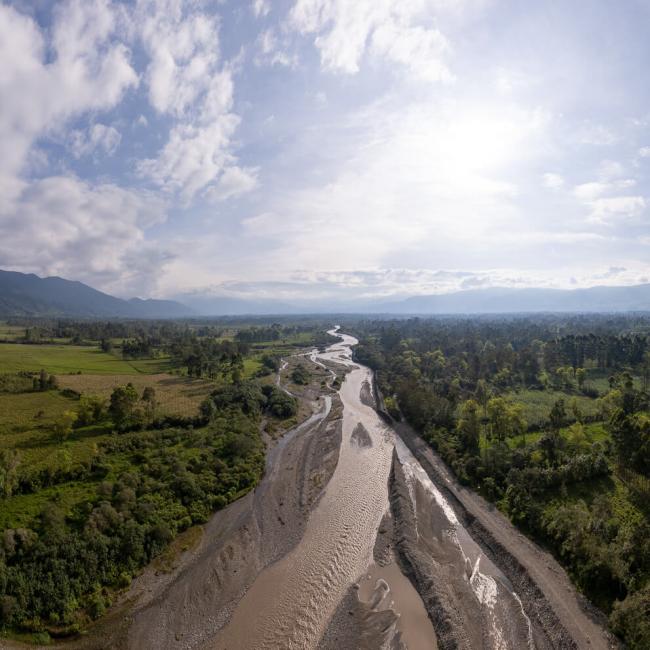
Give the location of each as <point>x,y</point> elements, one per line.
<point>599,379</point>
<point>175,395</point>
<point>11,332</point>
<point>64,359</point>
<point>537,404</point>
<point>594,432</point>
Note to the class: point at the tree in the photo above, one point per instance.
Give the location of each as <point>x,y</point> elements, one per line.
<point>300,375</point>
<point>91,410</point>
<point>469,427</point>
<point>497,411</point>
<point>150,403</point>
<point>124,400</point>
<point>44,381</point>
<point>9,462</point>
<point>62,427</point>
<point>557,416</point>
<point>581,375</point>
<point>575,409</point>
<point>482,394</point>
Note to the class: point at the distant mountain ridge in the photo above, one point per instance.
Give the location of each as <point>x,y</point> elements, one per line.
<point>498,300</point>
<point>26,294</point>
<point>29,295</point>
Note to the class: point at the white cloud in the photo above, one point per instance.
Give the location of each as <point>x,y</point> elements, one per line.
<point>234,182</point>
<point>590,191</point>
<point>97,137</point>
<point>49,77</point>
<point>260,8</point>
<point>644,152</point>
<point>421,50</point>
<point>345,31</point>
<point>552,181</point>
<point>92,232</point>
<point>420,178</point>
<point>188,81</point>
<point>271,52</point>
<point>595,134</point>
<point>618,208</point>
<point>193,157</point>
<point>183,51</point>
<point>610,169</point>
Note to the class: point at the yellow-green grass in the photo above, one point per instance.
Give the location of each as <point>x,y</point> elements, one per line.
<point>537,404</point>
<point>26,421</point>
<point>21,510</point>
<point>175,395</point>
<point>594,432</point>
<point>11,332</point>
<point>599,379</point>
<point>251,367</point>
<point>61,359</point>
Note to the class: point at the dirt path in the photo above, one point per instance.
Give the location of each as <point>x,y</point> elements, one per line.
<point>541,582</point>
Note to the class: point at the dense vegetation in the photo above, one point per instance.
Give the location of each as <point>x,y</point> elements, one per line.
<point>549,419</point>
<point>93,485</point>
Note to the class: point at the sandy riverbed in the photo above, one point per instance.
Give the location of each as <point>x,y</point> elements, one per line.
<point>357,537</point>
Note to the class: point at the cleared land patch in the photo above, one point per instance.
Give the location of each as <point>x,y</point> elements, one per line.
<point>62,359</point>
<point>175,395</point>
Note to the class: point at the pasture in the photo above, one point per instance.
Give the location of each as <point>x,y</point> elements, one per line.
<point>175,395</point>
<point>537,404</point>
<point>65,359</point>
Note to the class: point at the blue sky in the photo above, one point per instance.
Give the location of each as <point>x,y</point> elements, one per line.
<point>325,149</point>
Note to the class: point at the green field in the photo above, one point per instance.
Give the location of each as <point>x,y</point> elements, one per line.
<point>66,359</point>
<point>594,432</point>
<point>599,379</point>
<point>537,404</point>
<point>11,332</point>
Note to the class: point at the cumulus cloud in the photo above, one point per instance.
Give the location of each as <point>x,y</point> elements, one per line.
<point>62,224</point>
<point>187,80</point>
<point>194,156</point>
<point>344,32</point>
<point>234,182</point>
<point>49,77</point>
<point>92,232</point>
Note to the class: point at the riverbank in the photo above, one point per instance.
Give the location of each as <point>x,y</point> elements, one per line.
<point>357,537</point>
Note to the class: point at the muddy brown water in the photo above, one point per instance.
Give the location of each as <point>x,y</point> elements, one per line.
<point>291,602</point>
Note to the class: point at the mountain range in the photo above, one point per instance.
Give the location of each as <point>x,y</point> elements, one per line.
<point>29,295</point>
<point>24,294</point>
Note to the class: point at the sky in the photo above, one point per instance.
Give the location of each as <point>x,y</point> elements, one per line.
<point>325,150</point>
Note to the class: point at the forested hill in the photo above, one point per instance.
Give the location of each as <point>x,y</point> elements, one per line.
<point>28,295</point>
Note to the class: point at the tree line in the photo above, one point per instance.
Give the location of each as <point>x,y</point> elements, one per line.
<point>584,495</point>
